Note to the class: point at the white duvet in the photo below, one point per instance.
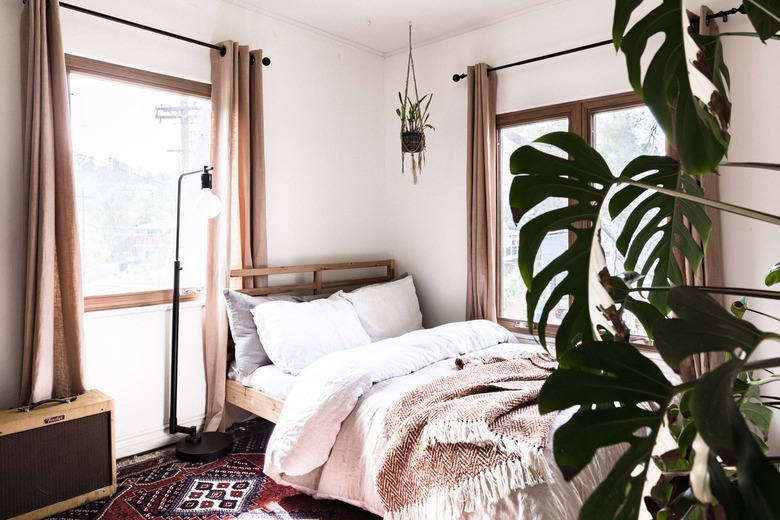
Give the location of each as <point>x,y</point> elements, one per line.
<point>330,436</point>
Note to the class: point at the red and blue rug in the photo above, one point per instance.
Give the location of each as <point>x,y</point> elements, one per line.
<point>233,487</point>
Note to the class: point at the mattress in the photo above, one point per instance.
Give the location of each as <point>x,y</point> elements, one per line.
<point>269,379</point>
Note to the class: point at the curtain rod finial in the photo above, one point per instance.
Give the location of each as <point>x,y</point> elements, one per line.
<point>265,61</point>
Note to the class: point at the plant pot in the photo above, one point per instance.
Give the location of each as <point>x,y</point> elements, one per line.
<point>412,142</point>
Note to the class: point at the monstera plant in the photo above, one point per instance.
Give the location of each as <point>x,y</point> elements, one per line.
<point>718,420</point>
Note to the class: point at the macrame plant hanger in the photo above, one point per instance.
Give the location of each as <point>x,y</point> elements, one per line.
<point>410,143</point>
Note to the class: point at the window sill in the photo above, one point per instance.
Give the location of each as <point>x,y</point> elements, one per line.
<point>525,336</point>
<point>138,299</point>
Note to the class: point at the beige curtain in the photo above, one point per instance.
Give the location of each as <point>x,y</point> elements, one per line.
<point>53,310</point>
<point>711,271</point>
<point>237,237</point>
<point>481,194</point>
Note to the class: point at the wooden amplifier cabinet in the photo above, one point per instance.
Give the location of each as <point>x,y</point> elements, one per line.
<point>56,456</point>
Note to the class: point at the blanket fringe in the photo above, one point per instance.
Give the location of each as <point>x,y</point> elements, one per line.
<point>459,430</point>
<point>478,492</point>
<point>476,432</point>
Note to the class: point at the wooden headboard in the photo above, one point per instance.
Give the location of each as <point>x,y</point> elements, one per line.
<point>315,283</point>
<point>346,275</point>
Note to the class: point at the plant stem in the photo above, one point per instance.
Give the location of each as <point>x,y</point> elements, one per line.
<point>764,363</point>
<point>765,381</point>
<point>762,313</point>
<point>731,208</point>
<point>773,37</point>
<point>682,387</point>
<point>743,291</point>
<point>748,164</point>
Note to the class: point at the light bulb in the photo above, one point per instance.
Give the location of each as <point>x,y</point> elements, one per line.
<point>208,204</point>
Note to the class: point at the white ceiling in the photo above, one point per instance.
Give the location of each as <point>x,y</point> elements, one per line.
<point>382,26</point>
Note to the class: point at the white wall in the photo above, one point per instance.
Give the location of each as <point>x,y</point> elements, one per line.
<point>436,208</point>
<point>128,359</point>
<point>323,103</point>
<point>753,247</point>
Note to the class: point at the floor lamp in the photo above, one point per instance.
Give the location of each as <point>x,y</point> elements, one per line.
<point>207,446</point>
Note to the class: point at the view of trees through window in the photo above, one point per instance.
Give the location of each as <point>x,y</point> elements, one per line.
<point>131,142</point>
<point>619,132</point>
<point>619,136</point>
<point>513,290</point>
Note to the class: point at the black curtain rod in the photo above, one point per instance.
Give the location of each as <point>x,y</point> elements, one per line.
<point>458,77</point>
<point>722,14</point>
<point>725,14</point>
<point>221,48</point>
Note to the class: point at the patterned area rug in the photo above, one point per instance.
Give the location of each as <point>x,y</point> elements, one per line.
<point>233,487</point>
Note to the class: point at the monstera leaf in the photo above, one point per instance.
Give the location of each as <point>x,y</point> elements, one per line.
<point>578,272</point>
<point>595,376</point>
<point>704,326</point>
<point>764,15</point>
<point>623,397</point>
<point>685,83</point>
<point>660,217</point>
<point>585,179</point>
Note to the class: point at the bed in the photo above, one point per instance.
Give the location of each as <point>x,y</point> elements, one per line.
<point>361,424</point>
<point>301,282</point>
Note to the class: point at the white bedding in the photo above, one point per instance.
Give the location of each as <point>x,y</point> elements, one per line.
<point>330,436</point>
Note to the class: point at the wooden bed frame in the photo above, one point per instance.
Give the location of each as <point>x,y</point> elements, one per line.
<point>260,403</point>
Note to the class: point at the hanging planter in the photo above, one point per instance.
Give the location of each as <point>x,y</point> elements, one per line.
<point>413,113</point>
<point>412,142</point>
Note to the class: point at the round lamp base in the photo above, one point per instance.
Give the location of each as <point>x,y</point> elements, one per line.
<point>206,447</point>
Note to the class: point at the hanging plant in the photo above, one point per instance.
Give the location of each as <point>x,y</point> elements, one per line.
<point>414,121</point>
<point>413,113</point>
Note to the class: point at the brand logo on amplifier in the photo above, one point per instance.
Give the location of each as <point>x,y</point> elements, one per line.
<point>56,418</point>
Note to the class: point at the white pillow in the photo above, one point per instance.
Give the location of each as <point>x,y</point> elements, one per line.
<point>295,335</point>
<point>387,310</point>
<point>249,351</point>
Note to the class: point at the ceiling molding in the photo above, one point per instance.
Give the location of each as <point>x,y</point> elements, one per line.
<point>344,38</point>
<point>309,28</point>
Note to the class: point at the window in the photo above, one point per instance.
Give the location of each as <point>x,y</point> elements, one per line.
<point>134,133</point>
<point>619,128</point>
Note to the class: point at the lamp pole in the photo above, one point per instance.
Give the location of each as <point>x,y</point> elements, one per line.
<point>207,446</point>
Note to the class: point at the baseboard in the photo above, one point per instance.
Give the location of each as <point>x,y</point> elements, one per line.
<point>152,438</point>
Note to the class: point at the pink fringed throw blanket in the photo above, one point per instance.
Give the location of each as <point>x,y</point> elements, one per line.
<point>466,440</point>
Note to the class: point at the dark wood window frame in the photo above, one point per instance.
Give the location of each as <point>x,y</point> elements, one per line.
<point>580,116</point>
